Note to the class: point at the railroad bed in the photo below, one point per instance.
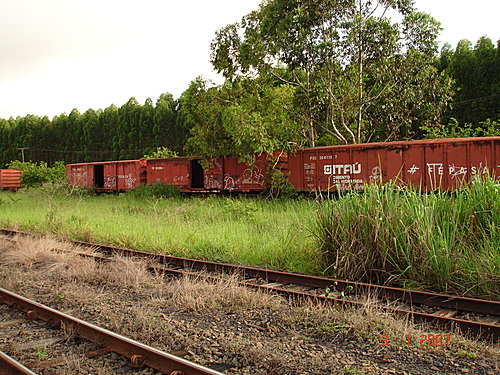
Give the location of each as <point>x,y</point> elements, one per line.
<point>28,328</point>
<point>476,317</point>
<point>234,337</point>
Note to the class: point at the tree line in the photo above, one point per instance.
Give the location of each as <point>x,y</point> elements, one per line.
<point>297,74</point>
<point>115,133</point>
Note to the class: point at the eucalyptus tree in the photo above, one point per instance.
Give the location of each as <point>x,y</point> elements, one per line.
<point>344,57</point>
<point>242,118</point>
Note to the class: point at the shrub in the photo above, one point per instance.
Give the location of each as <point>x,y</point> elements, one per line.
<point>37,174</point>
<point>158,190</point>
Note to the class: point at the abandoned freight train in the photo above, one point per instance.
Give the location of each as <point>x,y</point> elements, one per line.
<point>427,164</point>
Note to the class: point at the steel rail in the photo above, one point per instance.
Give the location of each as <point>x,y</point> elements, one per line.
<point>453,302</point>
<point>9,366</point>
<point>405,295</point>
<point>482,330</point>
<point>138,353</point>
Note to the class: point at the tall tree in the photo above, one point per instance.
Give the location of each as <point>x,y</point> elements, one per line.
<point>476,71</point>
<point>344,57</point>
<point>240,118</point>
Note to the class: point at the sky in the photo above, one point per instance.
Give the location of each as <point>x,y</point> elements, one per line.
<point>57,55</point>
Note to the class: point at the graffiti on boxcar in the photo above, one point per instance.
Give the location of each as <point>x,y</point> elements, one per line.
<point>181,178</point>
<point>129,181</point>
<point>211,182</point>
<point>414,169</point>
<point>253,176</point>
<point>229,182</point>
<point>375,175</point>
<point>109,182</point>
<point>455,171</point>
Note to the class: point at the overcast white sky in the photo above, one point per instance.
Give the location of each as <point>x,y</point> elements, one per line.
<point>56,55</point>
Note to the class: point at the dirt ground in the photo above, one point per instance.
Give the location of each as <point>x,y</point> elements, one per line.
<point>228,328</point>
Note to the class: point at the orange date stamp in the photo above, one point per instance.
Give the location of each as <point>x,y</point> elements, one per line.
<point>422,340</point>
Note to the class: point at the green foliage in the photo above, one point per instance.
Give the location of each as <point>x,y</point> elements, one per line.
<point>158,190</point>
<point>486,128</point>
<point>127,132</point>
<point>476,72</point>
<point>37,174</point>
<point>280,187</point>
<point>241,118</point>
<point>398,236</point>
<point>161,152</point>
<point>356,75</point>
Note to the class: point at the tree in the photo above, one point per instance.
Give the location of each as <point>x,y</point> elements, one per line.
<point>476,71</point>
<point>240,118</point>
<point>344,57</point>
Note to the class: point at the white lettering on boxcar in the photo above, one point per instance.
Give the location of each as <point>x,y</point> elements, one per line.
<point>341,169</point>
<point>413,169</point>
<point>435,168</point>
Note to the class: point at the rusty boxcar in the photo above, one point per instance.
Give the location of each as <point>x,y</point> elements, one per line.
<point>220,174</point>
<point>428,164</point>
<point>183,173</point>
<point>230,175</point>
<point>10,179</point>
<point>107,176</point>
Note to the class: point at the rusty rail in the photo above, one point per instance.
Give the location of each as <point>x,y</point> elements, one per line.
<point>138,353</point>
<point>9,366</point>
<point>452,302</point>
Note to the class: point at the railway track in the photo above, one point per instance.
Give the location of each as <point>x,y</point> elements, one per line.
<point>29,328</point>
<point>475,317</point>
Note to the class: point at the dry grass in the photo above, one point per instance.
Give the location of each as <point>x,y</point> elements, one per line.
<point>370,323</point>
<point>98,288</point>
<point>200,295</point>
<point>58,260</point>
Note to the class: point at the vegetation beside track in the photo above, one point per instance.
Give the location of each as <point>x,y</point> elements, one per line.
<point>447,242</point>
<point>250,231</point>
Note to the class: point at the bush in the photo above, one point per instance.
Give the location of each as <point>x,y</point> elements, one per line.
<point>161,152</point>
<point>158,190</point>
<point>35,175</point>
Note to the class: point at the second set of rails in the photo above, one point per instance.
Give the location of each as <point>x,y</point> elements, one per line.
<point>477,317</point>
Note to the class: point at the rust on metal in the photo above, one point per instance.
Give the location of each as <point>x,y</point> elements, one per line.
<point>107,176</point>
<point>9,366</point>
<point>10,179</point>
<point>137,361</point>
<point>437,164</point>
<point>154,358</point>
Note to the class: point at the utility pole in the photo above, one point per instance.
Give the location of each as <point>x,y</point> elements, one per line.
<point>22,151</point>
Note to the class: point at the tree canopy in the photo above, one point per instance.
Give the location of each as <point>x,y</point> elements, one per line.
<point>357,74</point>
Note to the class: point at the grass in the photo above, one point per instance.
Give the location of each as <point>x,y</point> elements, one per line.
<point>449,242</point>
<point>444,241</point>
<point>260,232</point>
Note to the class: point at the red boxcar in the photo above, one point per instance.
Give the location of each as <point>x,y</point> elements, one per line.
<point>228,174</point>
<point>221,174</point>
<point>181,172</point>
<point>428,164</point>
<point>107,176</point>
<point>10,179</point>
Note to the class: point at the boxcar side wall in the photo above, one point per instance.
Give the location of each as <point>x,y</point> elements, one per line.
<point>10,179</point>
<point>429,165</point>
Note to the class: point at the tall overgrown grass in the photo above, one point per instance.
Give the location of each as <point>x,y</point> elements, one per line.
<point>447,241</point>
<point>252,231</point>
